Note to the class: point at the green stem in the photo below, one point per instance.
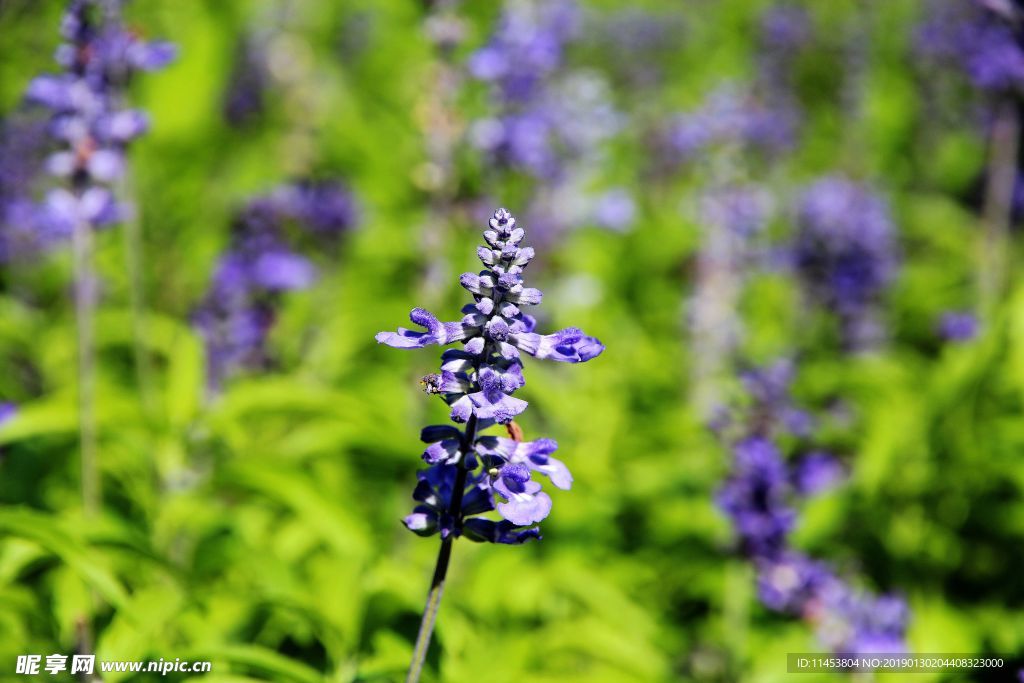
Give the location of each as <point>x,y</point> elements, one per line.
<point>1002,174</point>
<point>419,653</point>
<point>82,239</point>
<point>133,264</point>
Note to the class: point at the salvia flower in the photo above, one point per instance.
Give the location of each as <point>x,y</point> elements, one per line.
<point>958,326</point>
<point>846,619</point>
<point>755,495</point>
<point>732,118</point>
<point>845,251</point>
<point>546,121</point>
<point>759,498</point>
<point>238,312</point>
<point>471,473</point>
<point>817,472</point>
<point>99,58</point>
<point>770,410</point>
<point>982,38</point>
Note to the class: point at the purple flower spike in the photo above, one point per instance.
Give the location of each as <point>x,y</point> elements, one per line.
<point>99,58</point>
<point>845,252</point>
<point>237,314</point>
<point>759,496</point>
<point>477,382</point>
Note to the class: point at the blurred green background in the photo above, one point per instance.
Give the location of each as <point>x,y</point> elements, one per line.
<point>260,527</point>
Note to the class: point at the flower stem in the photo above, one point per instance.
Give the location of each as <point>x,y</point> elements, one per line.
<point>84,309</point>
<point>998,209</point>
<point>419,652</point>
<point>134,265</point>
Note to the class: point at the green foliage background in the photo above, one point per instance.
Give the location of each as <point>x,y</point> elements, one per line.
<point>261,529</point>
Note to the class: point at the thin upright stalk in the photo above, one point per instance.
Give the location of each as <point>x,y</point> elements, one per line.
<point>134,266</point>
<point>85,292</point>
<point>997,212</point>
<point>419,651</point>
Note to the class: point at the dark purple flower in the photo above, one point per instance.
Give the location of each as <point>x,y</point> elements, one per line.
<point>983,39</point>
<point>845,249</point>
<point>754,497</point>
<point>477,382</point>
<point>758,498</point>
<point>238,311</point>
<point>434,493</point>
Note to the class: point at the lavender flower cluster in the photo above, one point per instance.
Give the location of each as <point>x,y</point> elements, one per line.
<point>845,252</point>
<point>728,117</point>
<point>88,122</point>
<point>758,498</point>
<point>238,311</point>
<point>469,473</point>
<point>547,122</point>
<point>983,38</point>
<point>525,51</point>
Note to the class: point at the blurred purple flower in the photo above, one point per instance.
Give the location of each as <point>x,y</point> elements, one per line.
<point>23,142</point>
<point>772,410</point>
<point>545,121</point>
<point>754,497</point>
<point>817,472</point>
<point>742,210</point>
<point>99,57</point>
<point>728,118</point>
<point>784,28</point>
<point>757,497</point>
<point>325,208</point>
<point>246,94</point>
<point>615,210</point>
<point>958,326</point>
<point>646,36</point>
<point>845,251</point>
<point>238,312</point>
<point>983,39</point>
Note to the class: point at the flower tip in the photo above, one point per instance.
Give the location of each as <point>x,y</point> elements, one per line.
<point>591,349</point>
